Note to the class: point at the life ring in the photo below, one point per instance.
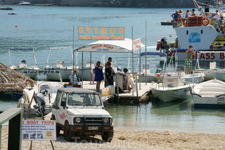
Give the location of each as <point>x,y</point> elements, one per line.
<point>205,21</point>
<point>158,45</point>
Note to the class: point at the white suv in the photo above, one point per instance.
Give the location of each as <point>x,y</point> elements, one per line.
<point>79,112</point>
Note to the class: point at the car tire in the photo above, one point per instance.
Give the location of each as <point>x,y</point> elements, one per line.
<point>67,132</point>
<point>108,136</point>
<point>57,127</point>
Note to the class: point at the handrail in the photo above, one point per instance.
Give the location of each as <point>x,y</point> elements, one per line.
<point>15,117</point>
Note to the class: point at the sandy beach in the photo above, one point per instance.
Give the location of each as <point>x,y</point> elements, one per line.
<point>132,139</point>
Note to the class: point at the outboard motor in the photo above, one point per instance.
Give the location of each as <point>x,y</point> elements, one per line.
<point>158,72</point>
<point>40,104</point>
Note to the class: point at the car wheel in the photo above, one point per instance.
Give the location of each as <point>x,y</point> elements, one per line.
<point>108,136</point>
<point>57,127</point>
<point>67,132</point>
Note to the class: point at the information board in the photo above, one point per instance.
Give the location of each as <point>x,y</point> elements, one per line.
<point>39,130</point>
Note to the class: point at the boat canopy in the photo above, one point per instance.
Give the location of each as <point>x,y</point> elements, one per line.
<point>110,46</point>
<point>153,53</point>
<point>21,49</point>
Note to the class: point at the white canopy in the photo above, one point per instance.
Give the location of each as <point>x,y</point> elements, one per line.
<point>109,46</point>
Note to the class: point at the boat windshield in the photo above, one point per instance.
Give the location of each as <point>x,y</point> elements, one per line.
<point>80,99</point>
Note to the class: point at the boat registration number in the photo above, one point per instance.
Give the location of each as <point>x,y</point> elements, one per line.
<point>92,128</point>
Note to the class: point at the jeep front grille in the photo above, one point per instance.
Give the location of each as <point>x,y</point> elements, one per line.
<point>93,121</point>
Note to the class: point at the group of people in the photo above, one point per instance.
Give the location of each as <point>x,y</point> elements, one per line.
<point>99,76</point>
<point>180,17</point>
<point>109,72</point>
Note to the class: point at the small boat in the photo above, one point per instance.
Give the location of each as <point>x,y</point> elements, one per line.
<point>59,71</point>
<point>146,75</point>
<point>11,13</point>
<point>164,23</point>
<point>210,92</point>
<point>171,86</point>
<point>24,3</point>
<point>31,71</point>
<point>46,91</point>
<point>7,8</point>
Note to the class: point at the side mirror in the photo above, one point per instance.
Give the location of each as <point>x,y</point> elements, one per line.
<point>63,104</point>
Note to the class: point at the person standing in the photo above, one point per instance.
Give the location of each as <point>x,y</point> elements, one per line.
<point>98,75</point>
<point>188,61</point>
<point>106,66</point>
<point>207,5</point>
<point>109,74</point>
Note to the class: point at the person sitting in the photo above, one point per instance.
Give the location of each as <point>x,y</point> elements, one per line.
<point>73,79</point>
<point>193,13</point>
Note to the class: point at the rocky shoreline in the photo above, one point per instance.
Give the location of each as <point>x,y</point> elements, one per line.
<point>131,139</point>
<point>114,3</point>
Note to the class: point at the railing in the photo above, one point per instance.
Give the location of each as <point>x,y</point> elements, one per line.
<point>15,117</point>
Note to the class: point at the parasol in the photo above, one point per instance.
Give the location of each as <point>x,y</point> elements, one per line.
<point>11,80</point>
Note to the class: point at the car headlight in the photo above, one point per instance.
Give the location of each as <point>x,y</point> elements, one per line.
<point>77,120</point>
<point>106,120</point>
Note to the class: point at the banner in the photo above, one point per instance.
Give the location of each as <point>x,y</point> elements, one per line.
<point>39,130</point>
<point>101,33</point>
<point>137,44</point>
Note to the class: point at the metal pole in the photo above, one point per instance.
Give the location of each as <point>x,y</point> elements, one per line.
<point>90,67</point>
<point>132,51</point>
<point>82,69</point>
<point>146,51</point>
<point>73,52</point>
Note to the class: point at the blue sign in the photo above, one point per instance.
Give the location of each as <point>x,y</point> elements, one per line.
<point>194,37</point>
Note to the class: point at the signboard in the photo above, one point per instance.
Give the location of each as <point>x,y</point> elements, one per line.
<point>137,44</point>
<point>39,130</point>
<point>101,33</point>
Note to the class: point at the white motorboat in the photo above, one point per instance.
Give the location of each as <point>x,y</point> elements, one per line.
<point>31,71</point>
<point>146,75</point>
<point>59,70</point>
<point>24,3</point>
<point>48,93</point>
<point>171,88</point>
<point>54,73</point>
<point>86,72</point>
<point>210,92</point>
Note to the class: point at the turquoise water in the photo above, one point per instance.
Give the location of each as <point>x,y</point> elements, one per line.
<point>41,27</point>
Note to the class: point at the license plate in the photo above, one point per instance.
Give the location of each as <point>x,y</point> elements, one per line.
<point>92,128</point>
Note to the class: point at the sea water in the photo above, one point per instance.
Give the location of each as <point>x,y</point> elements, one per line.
<point>41,27</point>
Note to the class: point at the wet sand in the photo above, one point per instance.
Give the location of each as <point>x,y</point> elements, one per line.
<point>132,139</point>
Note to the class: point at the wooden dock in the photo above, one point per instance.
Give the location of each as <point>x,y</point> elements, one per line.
<point>137,94</point>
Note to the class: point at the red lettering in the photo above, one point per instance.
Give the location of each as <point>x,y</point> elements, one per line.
<point>207,56</point>
<point>96,46</point>
<point>32,122</point>
<point>47,122</point>
<point>212,55</point>
<point>221,55</point>
<point>202,56</point>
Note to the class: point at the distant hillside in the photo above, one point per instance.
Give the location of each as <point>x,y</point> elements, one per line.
<point>116,3</point>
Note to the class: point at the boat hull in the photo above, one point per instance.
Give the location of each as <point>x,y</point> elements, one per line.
<point>167,94</point>
<point>210,92</point>
<point>32,73</point>
<point>54,74</point>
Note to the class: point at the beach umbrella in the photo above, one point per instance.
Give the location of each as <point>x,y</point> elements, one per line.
<point>11,80</point>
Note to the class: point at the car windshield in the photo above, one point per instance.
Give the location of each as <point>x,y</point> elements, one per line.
<point>75,99</point>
